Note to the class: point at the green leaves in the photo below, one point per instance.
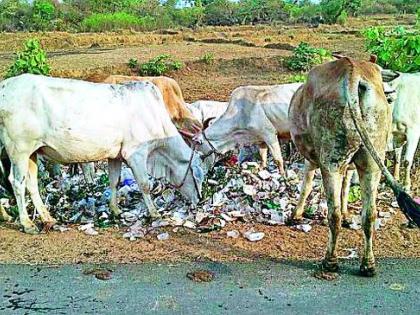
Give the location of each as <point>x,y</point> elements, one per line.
<point>396,49</point>
<point>160,65</point>
<point>31,60</point>
<point>355,194</point>
<point>305,57</point>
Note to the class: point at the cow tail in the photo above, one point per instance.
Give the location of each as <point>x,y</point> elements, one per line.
<point>352,88</point>
<point>409,207</point>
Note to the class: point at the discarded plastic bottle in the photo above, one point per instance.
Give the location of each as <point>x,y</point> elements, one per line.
<point>106,195</point>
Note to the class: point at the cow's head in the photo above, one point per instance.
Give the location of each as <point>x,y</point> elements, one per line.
<point>390,82</point>
<point>191,186</point>
<point>206,148</point>
<point>188,132</point>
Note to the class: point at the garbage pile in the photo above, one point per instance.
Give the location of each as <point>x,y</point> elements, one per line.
<point>233,192</point>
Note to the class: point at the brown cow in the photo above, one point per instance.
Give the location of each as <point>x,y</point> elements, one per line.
<point>172,96</point>
<point>323,116</point>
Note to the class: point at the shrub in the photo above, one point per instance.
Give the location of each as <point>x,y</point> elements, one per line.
<point>396,49</point>
<point>305,57</point>
<point>355,194</point>
<point>188,17</point>
<point>207,58</point>
<point>342,18</point>
<point>43,12</point>
<point>32,59</point>
<point>100,22</point>
<point>297,78</point>
<point>221,12</point>
<point>160,65</point>
<point>332,10</point>
<point>133,63</point>
<point>13,14</point>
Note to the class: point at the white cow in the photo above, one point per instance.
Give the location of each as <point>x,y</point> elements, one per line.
<point>207,111</point>
<point>406,122</point>
<point>255,115</point>
<point>73,121</point>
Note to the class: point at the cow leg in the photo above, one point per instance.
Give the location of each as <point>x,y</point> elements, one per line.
<point>137,163</point>
<point>398,153</point>
<point>345,198</point>
<point>275,150</point>
<point>333,181</point>
<point>369,180</point>
<point>32,186</point>
<point>412,141</point>
<point>309,173</point>
<point>88,170</point>
<point>17,177</point>
<point>4,216</point>
<point>114,167</point>
<point>263,155</point>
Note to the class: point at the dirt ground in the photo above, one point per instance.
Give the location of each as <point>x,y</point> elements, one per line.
<point>243,55</point>
<point>184,245</point>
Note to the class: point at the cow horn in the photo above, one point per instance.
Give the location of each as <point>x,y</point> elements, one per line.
<point>196,128</point>
<point>186,133</point>
<point>373,58</point>
<point>337,55</point>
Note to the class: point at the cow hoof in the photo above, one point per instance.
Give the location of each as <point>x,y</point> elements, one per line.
<point>49,221</point>
<point>298,221</point>
<point>155,215</point>
<point>329,266</point>
<point>48,226</point>
<point>6,218</point>
<point>116,212</point>
<point>367,271</point>
<point>294,221</point>
<point>32,230</point>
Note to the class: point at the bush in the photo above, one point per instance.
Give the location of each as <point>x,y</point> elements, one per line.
<point>160,65</point>
<point>207,58</point>
<point>332,10</point>
<point>187,17</point>
<point>100,22</point>
<point>43,12</point>
<point>13,14</point>
<point>305,57</point>
<point>296,78</point>
<point>133,63</point>
<point>32,59</point>
<point>355,194</point>
<point>342,18</point>
<point>397,49</point>
<point>221,12</point>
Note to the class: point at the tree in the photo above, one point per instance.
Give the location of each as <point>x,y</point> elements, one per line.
<point>332,9</point>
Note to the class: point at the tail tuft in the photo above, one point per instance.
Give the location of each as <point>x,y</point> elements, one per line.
<point>409,207</point>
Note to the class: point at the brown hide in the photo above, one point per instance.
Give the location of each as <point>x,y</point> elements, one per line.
<point>322,127</point>
<point>320,104</point>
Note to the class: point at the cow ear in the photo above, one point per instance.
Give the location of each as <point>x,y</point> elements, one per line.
<point>389,75</point>
<point>208,122</point>
<point>373,58</point>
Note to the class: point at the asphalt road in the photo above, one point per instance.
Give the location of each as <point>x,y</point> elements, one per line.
<point>252,288</point>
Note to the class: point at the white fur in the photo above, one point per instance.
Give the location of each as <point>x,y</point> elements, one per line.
<point>73,121</point>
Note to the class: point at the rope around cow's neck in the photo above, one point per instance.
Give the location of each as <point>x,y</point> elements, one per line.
<point>192,173</point>
<point>213,149</point>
